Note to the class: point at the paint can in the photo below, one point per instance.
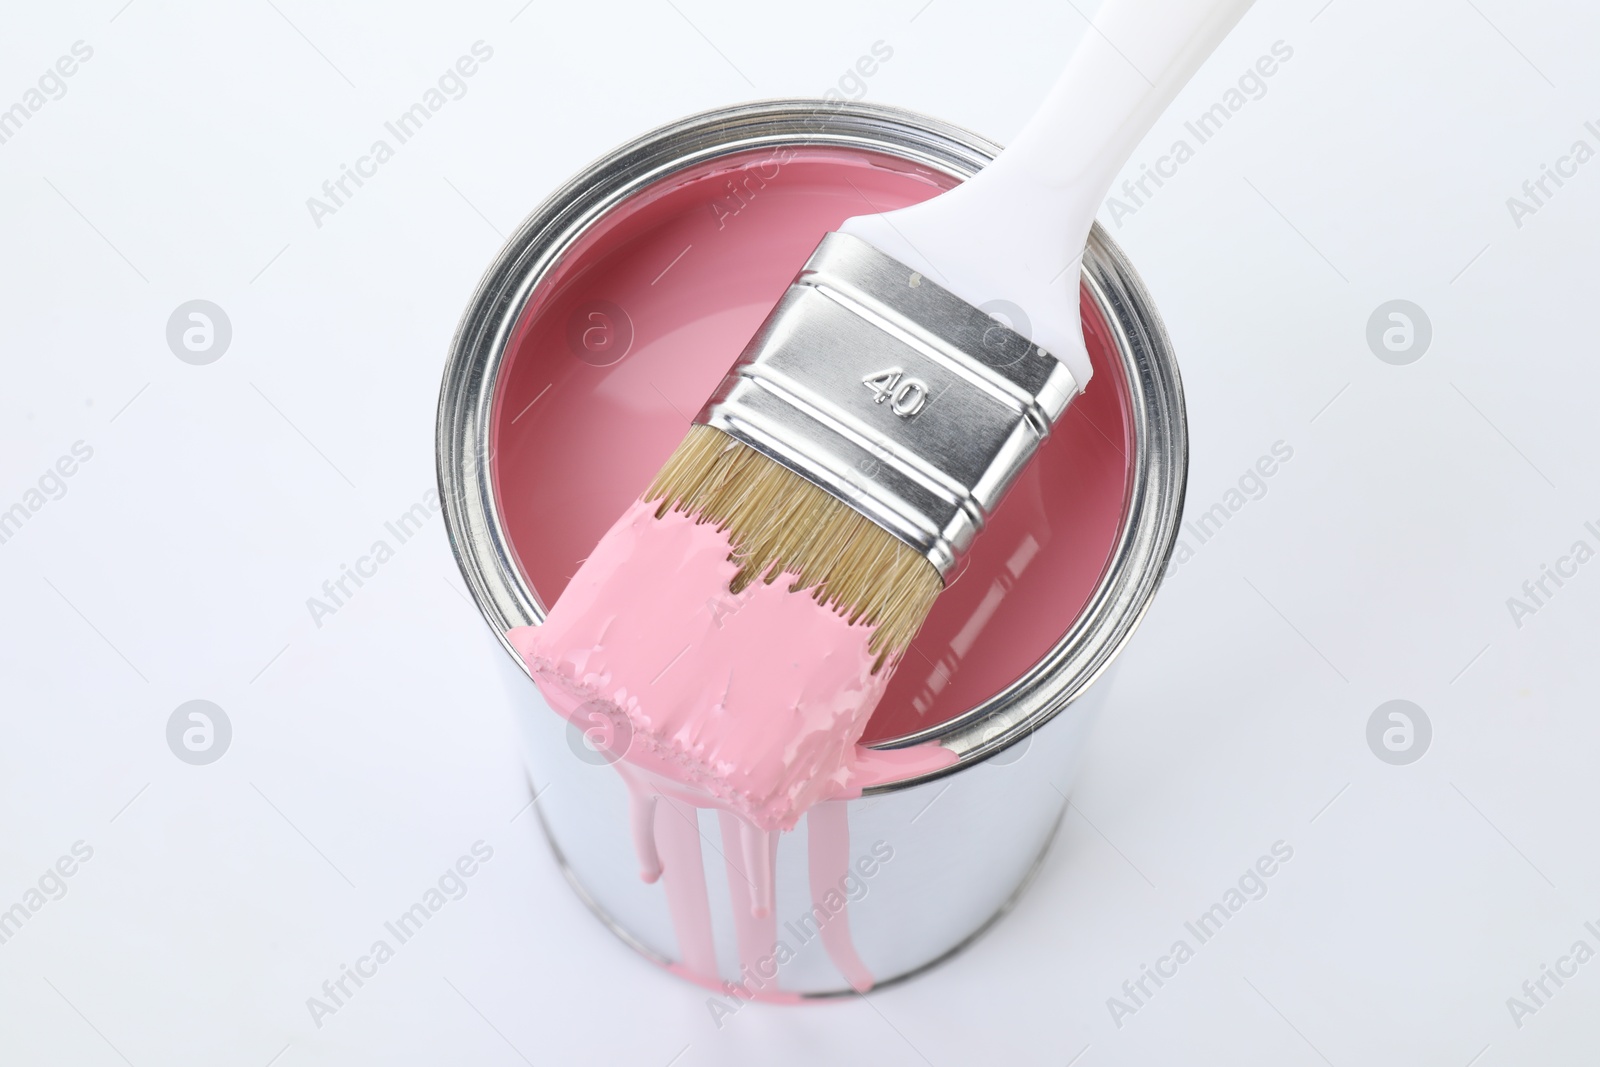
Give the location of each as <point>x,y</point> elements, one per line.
<point>589,345</point>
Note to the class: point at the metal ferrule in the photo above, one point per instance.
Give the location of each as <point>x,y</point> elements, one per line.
<point>894,395</point>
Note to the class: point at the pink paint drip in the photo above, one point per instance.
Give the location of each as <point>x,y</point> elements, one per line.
<point>677,833</point>
<point>829,866</point>
<point>750,886</point>
<point>749,703</point>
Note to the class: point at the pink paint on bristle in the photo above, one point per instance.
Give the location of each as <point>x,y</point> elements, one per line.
<point>751,703</point>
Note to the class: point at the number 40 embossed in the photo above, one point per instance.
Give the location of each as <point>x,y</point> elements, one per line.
<point>905,396</point>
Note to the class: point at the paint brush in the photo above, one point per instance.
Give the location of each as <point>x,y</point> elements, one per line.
<point>734,630</point>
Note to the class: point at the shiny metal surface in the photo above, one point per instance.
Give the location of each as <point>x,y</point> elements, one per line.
<point>894,395</point>
<point>611,922</point>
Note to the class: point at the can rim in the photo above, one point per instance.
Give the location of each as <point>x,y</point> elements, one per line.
<point>1160,439</point>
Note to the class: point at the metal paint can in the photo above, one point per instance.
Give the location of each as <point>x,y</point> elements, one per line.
<point>949,852</point>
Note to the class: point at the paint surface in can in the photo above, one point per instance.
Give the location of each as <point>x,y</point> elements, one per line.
<point>638,323</point>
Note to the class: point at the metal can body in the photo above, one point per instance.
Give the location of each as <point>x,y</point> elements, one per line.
<point>932,860</point>
<point>943,860</point>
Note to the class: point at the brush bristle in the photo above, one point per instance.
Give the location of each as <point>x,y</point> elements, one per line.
<point>780,523</point>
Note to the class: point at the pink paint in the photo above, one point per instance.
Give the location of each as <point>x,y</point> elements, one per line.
<point>612,357</point>
<point>751,702</point>
<point>683,870</point>
<point>828,842</point>
<point>750,887</point>
<point>642,825</point>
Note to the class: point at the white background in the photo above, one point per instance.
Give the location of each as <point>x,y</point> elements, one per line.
<point>372,751</point>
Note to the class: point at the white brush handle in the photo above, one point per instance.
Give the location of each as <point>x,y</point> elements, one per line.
<point>1015,232</point>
